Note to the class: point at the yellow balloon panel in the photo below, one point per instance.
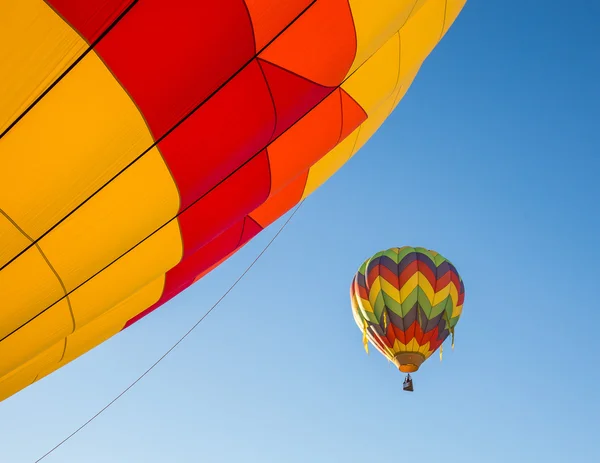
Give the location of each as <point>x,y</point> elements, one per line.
<point>29,372</point>
<point>112,321</point>
<point>146,262</point>
<point>85,131</point>
<point>98,268</point>
<point>376,22</point>
<point>27,286</point>
<point>42,47</point>
<point>113,221</point>
<point>36,336</point>
<point>12,241</point>
<point>377,78</point>
<point>420,34</point>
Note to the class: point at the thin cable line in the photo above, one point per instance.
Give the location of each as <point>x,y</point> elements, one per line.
<point>180,339</point>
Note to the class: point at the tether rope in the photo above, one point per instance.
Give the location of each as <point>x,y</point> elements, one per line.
<point>178,342</point>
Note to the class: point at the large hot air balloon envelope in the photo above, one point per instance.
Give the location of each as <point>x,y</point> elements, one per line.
<point>144,142</point>
<point>407,301</point>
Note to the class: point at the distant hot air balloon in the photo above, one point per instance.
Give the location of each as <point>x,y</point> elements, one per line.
<point>407,301</point>
<point>143,142</point>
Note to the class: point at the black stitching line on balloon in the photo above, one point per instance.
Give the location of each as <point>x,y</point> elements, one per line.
<point>156,142</point>
<point>70,68</point>
<point>198,199</point>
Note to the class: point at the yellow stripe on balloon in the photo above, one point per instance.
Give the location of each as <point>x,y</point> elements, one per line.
<point>377,78</point>
<point>378,110</point>
<point>389,290</point>
<point>83,339</point>
<point>87,129</point>
<point>105,291</point>
<point>453,8</point>
<point>374,291</point>
<point>424,349</point>
<point>109,323</point>
<point>376,22</point>
<point>35,337</point>
<point>28,286</point>
<point>29,372</point>
<point>329,164</point>
<point>457,311</point>
<point>139,267</point>
<point>12,240</point>
<point>408,287</point>
<point>138,202</point>
<point>420,34</point>
<point>412,346</point>
<point>40,47</point>
<point>366,308</point>
<point>398,347</point>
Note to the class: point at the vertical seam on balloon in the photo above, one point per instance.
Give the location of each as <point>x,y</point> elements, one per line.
<point>399,59</point>
<point>275,118</point>
<point>242,231</point>
<point>434,288</point>
<point>353,32</point>
<point>339,90</point>
<point>422,276</point>
<point>399,89</point>
<point>71,66</point>
<point>160,297</point>
<point>266,150</point>
<point>385,313</point>
<point>62,357</point>
<point>16,225</point>
<point>380,47</point>
<point>155,145</point>
<point>162,137</point>
<point>444,20</point>
<point>401,316</point>
<point>251,25</point>
<point>411,12</point>
<point>419,308</point>
<point>358,130</point>
<point>399,85</point>
<point>300,76</point>
<point>62,285</point>
<point>306,182</point>
<point>191,204</point>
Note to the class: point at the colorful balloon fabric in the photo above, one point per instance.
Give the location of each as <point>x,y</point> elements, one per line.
<point>406,301</point>
<point>144,142</point>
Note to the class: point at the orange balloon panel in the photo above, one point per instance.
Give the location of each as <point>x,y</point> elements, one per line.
<point>144,142</point>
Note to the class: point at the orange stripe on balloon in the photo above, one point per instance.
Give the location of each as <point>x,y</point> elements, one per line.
<point>307,141</point>
<point>281,202</point>
<point>269,17</point>
<point>320,45</point>
<point>353,115</point>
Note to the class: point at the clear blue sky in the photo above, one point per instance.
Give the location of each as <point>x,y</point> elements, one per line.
<point>492,159</point>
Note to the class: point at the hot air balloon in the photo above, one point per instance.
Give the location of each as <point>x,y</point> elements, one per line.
<point>407,301</point>
<point>144,142</point>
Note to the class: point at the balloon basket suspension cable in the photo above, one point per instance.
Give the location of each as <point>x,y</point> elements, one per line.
<point>178,341</point>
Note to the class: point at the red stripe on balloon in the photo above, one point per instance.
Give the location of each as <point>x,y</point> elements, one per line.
<point>90,17</point>
<point>221,135</point>
<point>206,258</point>
<point>170,56</point>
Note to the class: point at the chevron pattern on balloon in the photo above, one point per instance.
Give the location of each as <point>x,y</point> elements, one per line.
<point>407,300</point>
